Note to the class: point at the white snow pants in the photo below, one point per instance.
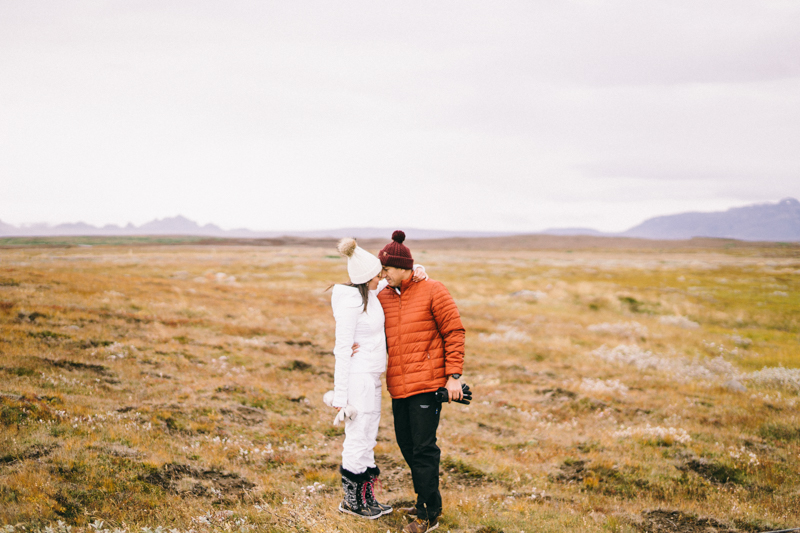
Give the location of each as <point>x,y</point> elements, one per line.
<point>361,433</point>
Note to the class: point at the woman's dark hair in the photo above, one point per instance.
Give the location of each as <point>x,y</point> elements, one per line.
<point>363,290</point>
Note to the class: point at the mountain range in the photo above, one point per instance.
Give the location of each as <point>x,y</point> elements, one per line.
<point>758,222</point>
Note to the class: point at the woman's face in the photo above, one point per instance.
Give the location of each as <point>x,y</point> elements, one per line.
<point>373,283</point>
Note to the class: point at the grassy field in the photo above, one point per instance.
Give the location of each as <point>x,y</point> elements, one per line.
<point>179,387</point>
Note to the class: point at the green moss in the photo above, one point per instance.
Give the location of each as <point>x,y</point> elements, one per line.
<point>462,468</point>
<point>20,371</point>
<point>20,410</point>
<point>780,432</point>
<point>47,335</point>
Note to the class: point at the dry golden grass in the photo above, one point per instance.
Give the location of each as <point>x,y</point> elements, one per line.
<point>180,387</point>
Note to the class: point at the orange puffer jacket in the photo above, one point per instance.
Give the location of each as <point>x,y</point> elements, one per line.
<point>424,337</point>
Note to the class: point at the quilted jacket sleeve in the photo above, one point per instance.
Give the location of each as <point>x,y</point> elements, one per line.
<point>347,305</point>
<point>448,320</point>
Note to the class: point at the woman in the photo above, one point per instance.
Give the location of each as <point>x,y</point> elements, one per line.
<point>357,383</point>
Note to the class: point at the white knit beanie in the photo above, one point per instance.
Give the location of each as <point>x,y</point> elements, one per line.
<point>362,266</point>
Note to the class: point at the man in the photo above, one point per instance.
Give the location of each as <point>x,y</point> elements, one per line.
<point>425,340</point>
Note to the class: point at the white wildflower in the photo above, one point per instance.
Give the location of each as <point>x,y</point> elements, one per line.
<point>738,340</point>
<point>679,321</point>
<point>533,296</point>
<point>608,386</point>
<point>509,335</point>
<point>779,377</point>
<point>712,370</point>
<point>625,329</point>
<point>222,277</point>
<point>310,490</point>
<point>742,453</point>
<point>213,517</point>
<point>631,354</point>
<point>116,351</point>
<point>649,432</point>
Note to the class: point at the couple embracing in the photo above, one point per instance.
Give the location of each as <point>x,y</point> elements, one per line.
<point>386,304</point>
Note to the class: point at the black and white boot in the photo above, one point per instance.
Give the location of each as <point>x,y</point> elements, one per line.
<point>374,472</point>
<point>355,499</point>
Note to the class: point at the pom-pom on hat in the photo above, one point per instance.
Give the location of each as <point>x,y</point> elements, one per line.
<point>362,266</point>
<point>396,254</point>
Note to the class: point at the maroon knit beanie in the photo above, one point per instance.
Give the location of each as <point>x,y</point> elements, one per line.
<point>395,254</point>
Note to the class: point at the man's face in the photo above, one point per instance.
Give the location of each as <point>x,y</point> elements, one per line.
<point>394,276</point>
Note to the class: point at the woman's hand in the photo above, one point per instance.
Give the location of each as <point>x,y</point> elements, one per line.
<point>419,274</point>
<point>356,346</point>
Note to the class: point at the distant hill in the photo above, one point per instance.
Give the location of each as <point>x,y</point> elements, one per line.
<point>574,231</point>
<point>386,233</point>
<point>180,225</point>
<point>6,229</point>
<point>758,222</point>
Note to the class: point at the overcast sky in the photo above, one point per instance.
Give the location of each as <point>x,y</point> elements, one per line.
<point>483,115</point>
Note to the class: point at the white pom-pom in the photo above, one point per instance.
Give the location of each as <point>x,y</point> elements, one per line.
<point>327,398</point>
<point>347,246</point>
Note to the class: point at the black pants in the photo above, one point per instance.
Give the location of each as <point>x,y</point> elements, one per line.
<point>416,420</point>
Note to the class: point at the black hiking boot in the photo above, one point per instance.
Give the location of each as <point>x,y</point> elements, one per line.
<point>373,473</point>
<point>355,499</point>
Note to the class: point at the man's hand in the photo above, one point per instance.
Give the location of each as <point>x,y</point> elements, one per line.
<point>453,387</point>
<point>356,346</point>
<point>443,395</point>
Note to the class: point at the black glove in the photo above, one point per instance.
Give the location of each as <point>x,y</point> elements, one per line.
<point>442,395</point>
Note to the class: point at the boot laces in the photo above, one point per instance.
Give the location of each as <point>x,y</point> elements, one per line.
<point>367,486</point>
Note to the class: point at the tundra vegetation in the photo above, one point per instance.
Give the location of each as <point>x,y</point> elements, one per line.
<point>178,388</point>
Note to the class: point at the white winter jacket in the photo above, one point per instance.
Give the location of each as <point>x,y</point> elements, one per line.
<point>355,325</point>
